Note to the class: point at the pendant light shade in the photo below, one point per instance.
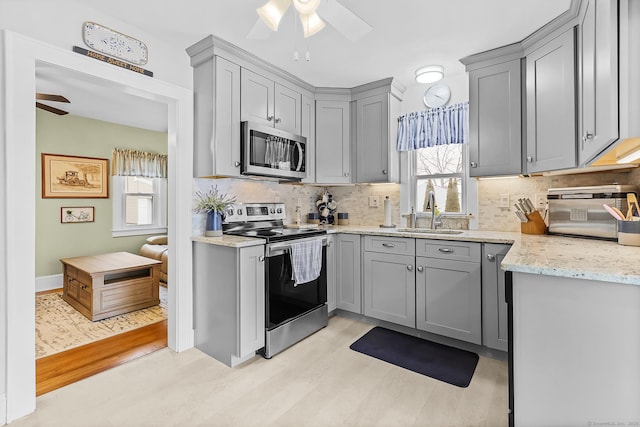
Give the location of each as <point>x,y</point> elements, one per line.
<point>429,74</point>
<point>272,12</point>
<point>306,7</point>
<point>311,24</point>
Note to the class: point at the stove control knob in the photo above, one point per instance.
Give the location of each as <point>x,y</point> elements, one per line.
<point>239,212</point>
<point>279,210</point>
<point>272,211</point>
<point>230,212</point>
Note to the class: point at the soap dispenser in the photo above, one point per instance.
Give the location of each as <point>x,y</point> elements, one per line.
<point>411,219</point>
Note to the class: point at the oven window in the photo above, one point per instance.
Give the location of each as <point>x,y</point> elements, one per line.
<point>286,301</point>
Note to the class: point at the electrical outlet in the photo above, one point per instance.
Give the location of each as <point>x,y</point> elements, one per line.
<point>504,200</point>
<point>374,201</point>
<point>299,201</point>
<point>541,201</point>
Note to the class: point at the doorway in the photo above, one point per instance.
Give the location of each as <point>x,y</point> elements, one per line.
<point>17,136</point>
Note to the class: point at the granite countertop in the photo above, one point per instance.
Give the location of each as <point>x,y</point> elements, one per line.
<point>547,254</point>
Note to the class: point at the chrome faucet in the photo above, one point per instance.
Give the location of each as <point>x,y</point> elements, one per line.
<point>431,205</point>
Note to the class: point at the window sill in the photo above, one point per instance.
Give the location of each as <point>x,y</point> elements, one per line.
<point>139,232</point>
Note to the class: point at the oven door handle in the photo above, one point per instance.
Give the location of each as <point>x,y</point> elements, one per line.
<point>281,248</point>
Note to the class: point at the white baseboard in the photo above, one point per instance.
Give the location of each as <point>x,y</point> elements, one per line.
<point>3,409</point>
<point>47,283</point>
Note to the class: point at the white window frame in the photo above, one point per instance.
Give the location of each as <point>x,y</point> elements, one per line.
<point>159,225</point>
<point>467,190</point>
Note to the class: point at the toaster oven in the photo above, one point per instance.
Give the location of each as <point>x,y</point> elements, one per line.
<point>579,211</point>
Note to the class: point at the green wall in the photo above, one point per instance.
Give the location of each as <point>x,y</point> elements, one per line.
<point>78,136</point>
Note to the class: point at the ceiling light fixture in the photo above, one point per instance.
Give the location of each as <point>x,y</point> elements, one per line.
<point>272,12</point>
<point>629,157</point>
<point>429,74</point>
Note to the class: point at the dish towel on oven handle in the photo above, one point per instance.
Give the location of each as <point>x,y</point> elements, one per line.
<point>306,260</point>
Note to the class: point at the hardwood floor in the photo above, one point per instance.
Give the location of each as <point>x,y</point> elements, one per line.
<point>60,369</point>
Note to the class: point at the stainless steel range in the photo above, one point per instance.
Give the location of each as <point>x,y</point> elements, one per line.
<point>293,310</point>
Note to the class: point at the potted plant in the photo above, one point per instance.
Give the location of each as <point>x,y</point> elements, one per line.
<point>214,204</point>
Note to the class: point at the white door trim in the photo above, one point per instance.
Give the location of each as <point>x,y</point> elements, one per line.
<point>20,55</point>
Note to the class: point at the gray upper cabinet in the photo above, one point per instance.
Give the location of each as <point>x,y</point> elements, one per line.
<point>551,105</point>
<point>348,266</point>
<point>598,78</point>
<point>495,119</point>
<point>270,103</point>
<point>333,142</point>
<point>494,307</point>
<point>217,118</point>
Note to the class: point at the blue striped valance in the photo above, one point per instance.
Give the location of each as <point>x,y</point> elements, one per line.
<point>435,126</point>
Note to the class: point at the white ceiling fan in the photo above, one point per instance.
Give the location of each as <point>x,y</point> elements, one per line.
<point>312,14</point>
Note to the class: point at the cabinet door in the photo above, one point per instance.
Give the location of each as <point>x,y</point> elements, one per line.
<point>495,120</point>
<point>551,105</point>
<point>251,301</point>
<point>598,107</point>
<point>287,109</point>
<point>448,298</point>
<point>372,139</point>
<point>227,119</point>
<point>257,98</point>
<point>389,288</point>
<point>332,142</point>
<point>494,307</point>
<point>331,272</point>
<point>348,273</point>
<point>309,132</point>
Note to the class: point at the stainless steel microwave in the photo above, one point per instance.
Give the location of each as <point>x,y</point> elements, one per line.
<point>267,151</point>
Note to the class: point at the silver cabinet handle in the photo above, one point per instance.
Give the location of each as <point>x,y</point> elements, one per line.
<point>420,269</point>
<point>388,245</point>
<point>269,118</point>
<point>446,250</point>
<point>278,120</point>
<point>529,159</point>
<point>384,171</point>
<point>410,267</point>
<point>237,164</point>
<point>474,165</point>
<point>491,257</point>
<point>587,136</point>
<point>329,243</point>
<point>261,258</point>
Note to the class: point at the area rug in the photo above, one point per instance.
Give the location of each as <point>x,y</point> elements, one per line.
<point>444,363</point>
<point>60,327</point>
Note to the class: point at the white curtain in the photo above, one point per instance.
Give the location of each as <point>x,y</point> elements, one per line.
<point>138,163</point>
<point>435,126</point>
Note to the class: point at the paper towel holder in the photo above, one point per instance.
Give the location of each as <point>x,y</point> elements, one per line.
<point>387,208</point>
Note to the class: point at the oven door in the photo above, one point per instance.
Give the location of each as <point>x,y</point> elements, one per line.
<point>272,152</point>
<point>286,301</point>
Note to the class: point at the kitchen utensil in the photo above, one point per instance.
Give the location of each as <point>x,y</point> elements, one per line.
<point>521,207</point>
<point>522,216</point>
<point>529,205</point>
<point>614,212</point>
<point>632,205</point>
<point>535,225</point>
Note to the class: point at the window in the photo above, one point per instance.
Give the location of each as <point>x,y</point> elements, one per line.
<point>139,205</point>
<point>439,169</point>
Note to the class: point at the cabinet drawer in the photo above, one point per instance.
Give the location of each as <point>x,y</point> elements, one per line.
<point>448,249</point>
<point>390,245</point>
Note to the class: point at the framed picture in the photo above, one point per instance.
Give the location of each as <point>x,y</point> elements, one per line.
<point>74,177</point>
<point>76,214</point>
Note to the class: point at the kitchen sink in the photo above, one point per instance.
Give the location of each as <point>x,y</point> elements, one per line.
<point>429,231</point>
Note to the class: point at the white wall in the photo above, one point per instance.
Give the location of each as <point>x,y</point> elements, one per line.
<point>60,23</point>
<point>3,239</point>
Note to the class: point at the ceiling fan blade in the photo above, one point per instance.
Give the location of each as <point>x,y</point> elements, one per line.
<point>343,20</point>
<point>51,109</point>
<point>259,31</point>
<point>49,97</point>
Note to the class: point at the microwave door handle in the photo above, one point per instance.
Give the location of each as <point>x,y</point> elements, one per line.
<point>300,156</point>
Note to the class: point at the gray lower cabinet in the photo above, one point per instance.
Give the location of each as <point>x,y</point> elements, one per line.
<point>551,105</point>
<point>448,289</point>
<point>229,301</point>
<point>331,272</point>
<point>348,278</point>
<point>495,120</point>
<point>389,285</point>
<point>494,307</point>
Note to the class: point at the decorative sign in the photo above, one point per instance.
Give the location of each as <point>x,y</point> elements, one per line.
<point>113,43</point>
<point>112,61</point>
<point>76,214</point>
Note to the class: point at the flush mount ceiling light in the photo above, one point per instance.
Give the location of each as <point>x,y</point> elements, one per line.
<point>273,11</point>
<point>429,74</point>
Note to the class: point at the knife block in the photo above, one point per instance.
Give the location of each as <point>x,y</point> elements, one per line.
<point>536,224</point>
